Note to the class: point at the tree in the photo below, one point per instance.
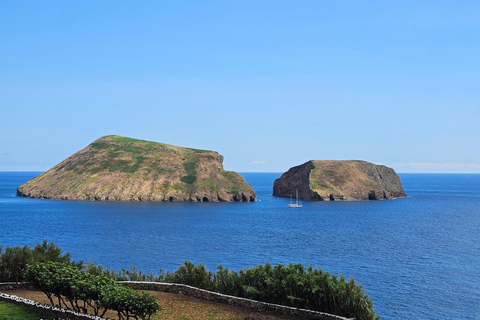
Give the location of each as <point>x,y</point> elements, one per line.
<point>78,290</point>
<point>14,261</point>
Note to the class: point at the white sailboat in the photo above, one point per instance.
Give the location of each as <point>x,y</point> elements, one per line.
<point>296,204</point>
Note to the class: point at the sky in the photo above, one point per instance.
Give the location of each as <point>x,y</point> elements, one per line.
<point>267,84</point>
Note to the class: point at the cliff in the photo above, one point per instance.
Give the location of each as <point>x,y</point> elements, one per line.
<point>126,169</point>
<point>339,180</point>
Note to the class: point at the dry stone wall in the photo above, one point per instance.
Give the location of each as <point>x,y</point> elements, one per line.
<point>164,287</point>
<point>234,301</point>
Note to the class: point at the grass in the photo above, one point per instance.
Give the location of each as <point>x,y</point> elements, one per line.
<point>10,311</point>
<point>318,184</point>
<point>126,155</point>
<point>234,179</point>
<point>209,183</point>
<point>178,187</point>
<point>234,190</point>
<point>131,150</point>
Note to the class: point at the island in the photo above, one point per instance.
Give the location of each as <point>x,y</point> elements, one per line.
<point>339,180</point>
<point>118,168</point>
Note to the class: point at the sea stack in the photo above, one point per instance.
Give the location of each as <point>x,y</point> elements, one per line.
<point>124,169</point>
<point>339,180</point>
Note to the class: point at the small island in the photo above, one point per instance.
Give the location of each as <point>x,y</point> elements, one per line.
<point>339,180</point>
<point>118,168</point>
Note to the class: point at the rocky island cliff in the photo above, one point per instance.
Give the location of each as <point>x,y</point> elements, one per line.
<point>125,169</point>
<point>339,180</point>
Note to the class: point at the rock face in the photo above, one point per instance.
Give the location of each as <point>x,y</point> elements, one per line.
<point>339,180</point>
<point>126,169</point>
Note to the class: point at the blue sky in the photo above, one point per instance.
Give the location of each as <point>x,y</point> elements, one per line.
<point>267,84</point>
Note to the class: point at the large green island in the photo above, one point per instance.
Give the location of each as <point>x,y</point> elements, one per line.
<point>124,169</point>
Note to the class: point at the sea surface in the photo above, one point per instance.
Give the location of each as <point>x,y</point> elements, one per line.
<point>416,257</point>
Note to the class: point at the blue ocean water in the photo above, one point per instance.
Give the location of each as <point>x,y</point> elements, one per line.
<point>416,257</point>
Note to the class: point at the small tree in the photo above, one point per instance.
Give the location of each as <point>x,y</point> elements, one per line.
<point>51,252</point>
<point>228,281</point>
<point>13,263</point>
<point>77,290</point>
<point>146,305</point>
<point>43,277</point>
<point>129,303</point>
<point>195,276</point>
<point>89,290</point>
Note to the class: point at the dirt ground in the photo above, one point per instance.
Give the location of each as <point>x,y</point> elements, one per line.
<point>178,307</point>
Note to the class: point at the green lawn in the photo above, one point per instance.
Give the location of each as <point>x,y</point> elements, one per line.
<point>10,311</point>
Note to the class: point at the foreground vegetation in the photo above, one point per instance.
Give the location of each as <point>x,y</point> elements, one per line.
<point>10,311</point>
<point>179,307</point>
<point>14,260</point>
<point>70,288</point>
<point>291,285</point>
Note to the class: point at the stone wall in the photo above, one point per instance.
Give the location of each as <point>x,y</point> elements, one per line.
<point>165,287</point>
<point>15,286</point>
<point>234,301</point>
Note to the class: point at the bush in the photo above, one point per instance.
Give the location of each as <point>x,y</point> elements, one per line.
<point>297,286</point>
<point>77,290</point>
<point>14,261</point>
<point>289,285</point>
<point>195,276</point>
<point>292,285</point>
<point>123,275</point>
<point>228,282</point>
<point>129,303</point>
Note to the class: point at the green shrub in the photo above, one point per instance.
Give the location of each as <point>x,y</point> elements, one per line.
<point>14,261</point>
<point>289,285</point>
<point>62,280</point>
<point>234,190</point>
<point>188,179</point>
<point>195,276</point>
<point>228,282</point>
<point>191,172</point>
<point>68,287</point>
<point>129,303</point>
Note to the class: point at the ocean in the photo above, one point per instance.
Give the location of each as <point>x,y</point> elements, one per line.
<point>416,257</point>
